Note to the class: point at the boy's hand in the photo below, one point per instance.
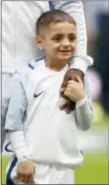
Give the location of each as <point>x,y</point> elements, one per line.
<point>26,171</point>
<point>75,90</point>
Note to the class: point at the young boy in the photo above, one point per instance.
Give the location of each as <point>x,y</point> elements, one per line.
<point>44,138</point>
<point>78,64</point>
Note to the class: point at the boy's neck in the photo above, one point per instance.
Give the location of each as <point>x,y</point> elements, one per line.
<point>54,64</point>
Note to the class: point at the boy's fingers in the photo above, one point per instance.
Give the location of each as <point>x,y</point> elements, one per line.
<point>69,88</point>
<point>72,82</point>
<point>25,178</point>
<point>67,93</point>
<point>31,179</point>
<point>22,178</point>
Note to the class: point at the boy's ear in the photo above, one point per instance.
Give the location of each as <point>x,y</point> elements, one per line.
<point>38,40</point>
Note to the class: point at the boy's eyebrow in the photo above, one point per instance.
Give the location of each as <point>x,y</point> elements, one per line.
<point>56,34</point>
<point>60,34</point>
<point>73,34</point>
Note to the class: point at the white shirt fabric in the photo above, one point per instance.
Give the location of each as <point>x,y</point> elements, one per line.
<point>46,127</point>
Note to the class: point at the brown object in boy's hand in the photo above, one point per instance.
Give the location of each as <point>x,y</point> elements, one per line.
<point>70,75</point>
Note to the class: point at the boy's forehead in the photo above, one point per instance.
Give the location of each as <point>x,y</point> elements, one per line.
<point>63,27</point>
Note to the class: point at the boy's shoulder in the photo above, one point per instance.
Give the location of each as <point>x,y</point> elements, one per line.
<point>26,70</point>
<point>31,65</point>
<point>21,75</point>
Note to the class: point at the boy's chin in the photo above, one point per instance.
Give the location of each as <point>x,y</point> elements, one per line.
<point>64,58</point>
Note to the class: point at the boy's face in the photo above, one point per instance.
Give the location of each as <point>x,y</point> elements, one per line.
<point>58,41</point>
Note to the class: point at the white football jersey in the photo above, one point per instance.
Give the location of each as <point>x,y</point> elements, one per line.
<point>50,133</point>
<point>47,134</point>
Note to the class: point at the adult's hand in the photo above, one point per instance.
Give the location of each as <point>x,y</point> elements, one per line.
<point>71,74</point>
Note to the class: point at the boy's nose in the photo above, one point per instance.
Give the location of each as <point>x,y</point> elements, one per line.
<point>65,43</point>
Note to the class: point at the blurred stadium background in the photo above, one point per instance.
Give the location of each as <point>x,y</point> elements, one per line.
<point>95,141</point>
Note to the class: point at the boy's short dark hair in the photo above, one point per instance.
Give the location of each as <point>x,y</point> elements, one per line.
<point>52,16</point>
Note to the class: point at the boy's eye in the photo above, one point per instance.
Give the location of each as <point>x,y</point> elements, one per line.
<point>72,38</point>
<point>57,39</point>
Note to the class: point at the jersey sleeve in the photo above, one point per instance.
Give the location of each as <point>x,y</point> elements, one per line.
<point>17,107</point>
<point>84,110</point>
